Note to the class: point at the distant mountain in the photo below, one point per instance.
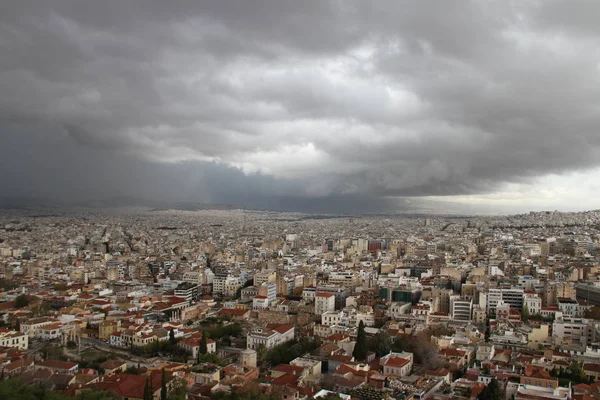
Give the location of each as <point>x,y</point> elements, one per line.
<point>26,203</point>
<point>30,203</point>
<point>154,205</point>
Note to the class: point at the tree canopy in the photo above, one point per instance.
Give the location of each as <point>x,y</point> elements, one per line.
<point>22,300</point>
<point>14,389</point>
<point>381,344</point>
<point>491,391</point>
<point>360,348</point>
<point>525,313</point>
<point>203,344</point>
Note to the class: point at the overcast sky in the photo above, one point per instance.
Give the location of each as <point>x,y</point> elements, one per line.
<point>340,105</point>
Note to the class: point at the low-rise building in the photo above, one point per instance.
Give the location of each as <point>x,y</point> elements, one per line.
<point>57,366</point>
<point>397,364</point>
<point>271,336</point>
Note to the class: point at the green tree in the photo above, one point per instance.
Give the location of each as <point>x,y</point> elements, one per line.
<point>172,338</point>
<point>209,358</point>
<point>59,287</point>
<point>14,389</point>
<point>525,313</point>
<point>491,391</point>
<point>95,394</point>
<point>381,344</point>
<point>147,391</point>
<point>155,347</point>
<point>203,344</point>
<point>360,348</point>
<point>22,300</point>
<point>261,352</point>
<point>248,392</point>
<point>163,385</point>
<point>576,373</point>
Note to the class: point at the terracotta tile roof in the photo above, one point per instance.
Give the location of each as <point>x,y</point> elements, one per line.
<point>344,369</point>
<point>285,379</point>
<point>534,371</point>
<point>233,311</point>
<point>397,362</point>
<point>341,358</point>
<point>441,372</point>
<point>592,367</point>
<point>57,364</point>
<point>336,337</point>
<point>288,369</point>
<point>112,364</point>
<point>126,385</point>
<point>280,328</point>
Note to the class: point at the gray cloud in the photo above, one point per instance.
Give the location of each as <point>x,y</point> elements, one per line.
<point>314,99</point>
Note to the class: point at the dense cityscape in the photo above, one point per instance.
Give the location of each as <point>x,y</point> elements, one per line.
<point>300,200</point>
<point>228,304</point>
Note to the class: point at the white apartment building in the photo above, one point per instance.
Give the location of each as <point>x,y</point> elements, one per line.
<point>49,332</point>
<point>533,303</point>
<point>528,282</point>
<point>330,318</point>
<point>227,284</point>
<point>32,326</point>
<point>195,277</point>
<point>570,330</point>
<point>349,317</point>
<point>512,296</point>
<point>269,290</point>
<point>219,283</point>
<point>485,352</point>
<point>421,310</point>
<point>260,302</point>
<point>18,340</point>
<point>571,307</point>
<point>348,279</point>
<point>262,277</point>
<point>308,294</point>
<point>460,308</point>
<point>398,309</point>
<point>324,302</point>
<point>116,339</point>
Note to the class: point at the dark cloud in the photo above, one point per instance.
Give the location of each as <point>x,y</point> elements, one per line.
<point>273,102</point>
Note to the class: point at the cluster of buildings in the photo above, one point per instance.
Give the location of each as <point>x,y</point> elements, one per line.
<point>446,306</point>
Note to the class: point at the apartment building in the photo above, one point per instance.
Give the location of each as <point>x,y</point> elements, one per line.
<point>460,308</point>
<point>533,303</point>
<point>512,296</point>
<point>324,302</point>
<point>570,330</point>
<point>18,340</point>
<point>32,326</point>
<point>188,291</point>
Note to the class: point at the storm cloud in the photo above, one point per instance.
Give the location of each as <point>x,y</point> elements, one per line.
<point>262,101</point>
